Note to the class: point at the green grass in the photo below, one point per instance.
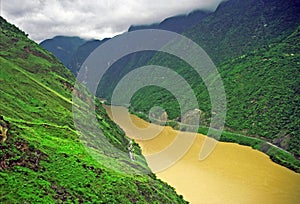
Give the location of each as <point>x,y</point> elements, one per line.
<point>44,159</point>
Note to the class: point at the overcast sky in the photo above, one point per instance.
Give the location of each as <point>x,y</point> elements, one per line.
<point>43,19</point>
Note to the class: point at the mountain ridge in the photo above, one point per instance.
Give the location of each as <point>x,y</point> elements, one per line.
<point>176,24</point>
<point>63,47</point>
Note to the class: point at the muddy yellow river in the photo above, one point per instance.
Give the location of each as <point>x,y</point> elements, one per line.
<point>231,174</point>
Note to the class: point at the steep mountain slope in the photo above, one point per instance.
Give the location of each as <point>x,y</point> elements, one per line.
<point>42,157</point>
<point>239,26</point>
<point>81,53</point>
<point>261,90</point>
<point>63,47</point>
<point>71,51</point>
<point>176,24</point>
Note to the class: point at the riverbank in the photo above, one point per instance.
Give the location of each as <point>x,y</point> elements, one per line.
<point>276,154</point>
<point>231,174</point>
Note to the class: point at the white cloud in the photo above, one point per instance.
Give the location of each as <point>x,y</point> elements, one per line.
<point>43,19</point>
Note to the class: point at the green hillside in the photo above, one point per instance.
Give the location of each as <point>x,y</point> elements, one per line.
<point>266,101</point>
<point>262,92</point>
<point>239,26</point>
<point>42,159</point>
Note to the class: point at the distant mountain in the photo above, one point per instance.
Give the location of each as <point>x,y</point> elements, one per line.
<point>176,24</point>
<point>71,51</point>
<point>63,47</point>
<point>236,27</point>
<point>81,53</point>
<point>43,158</point>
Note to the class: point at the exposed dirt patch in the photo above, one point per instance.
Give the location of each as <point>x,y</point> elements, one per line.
<point>36,53</point>
<point>3,129</point>
<point>97,171</point>
<point>15,151</point>
<point>61,193</point>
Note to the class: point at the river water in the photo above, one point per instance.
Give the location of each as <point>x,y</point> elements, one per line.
<point>231,174</point>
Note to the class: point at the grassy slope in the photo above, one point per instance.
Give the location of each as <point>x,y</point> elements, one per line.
<point>41,156</point>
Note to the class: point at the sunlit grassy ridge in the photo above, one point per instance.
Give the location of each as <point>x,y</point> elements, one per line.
<point>41,156</point>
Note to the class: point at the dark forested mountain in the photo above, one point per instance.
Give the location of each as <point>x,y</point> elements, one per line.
<point>176,24</point>
<point>239,26</point>
<point>82,52</point>
<point>71,51</point>
<point>42,156</point>
<point>236,27</point>
<point>63,47</point>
